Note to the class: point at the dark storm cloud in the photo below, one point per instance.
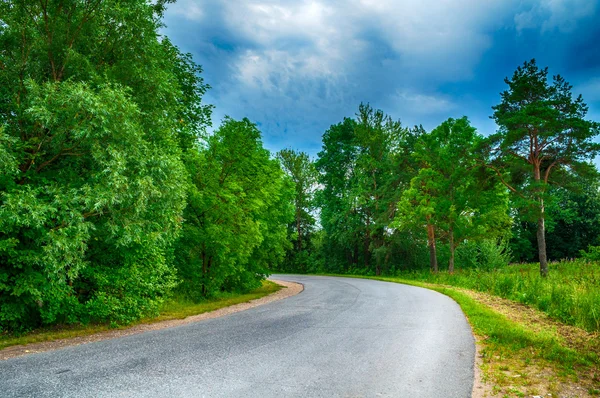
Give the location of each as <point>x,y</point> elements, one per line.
<point>296,67</point>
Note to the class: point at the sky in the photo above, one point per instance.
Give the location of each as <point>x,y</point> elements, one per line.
<point>295,67</point>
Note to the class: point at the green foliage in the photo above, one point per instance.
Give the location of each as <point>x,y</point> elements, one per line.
<point>358,171</point>
<point>95,113</point>
<point>239,206</point>
<point>591,254</point>
<point>485,254</point>
<point>573,219</point>
<point>543,138</point>
<point>452,196</point>
<point>301,170</point>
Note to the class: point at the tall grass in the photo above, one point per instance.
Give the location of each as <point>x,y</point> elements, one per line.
<point>570,294</point>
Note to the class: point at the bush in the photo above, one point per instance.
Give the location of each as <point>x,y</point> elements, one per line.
<point>487,254</point>
<point>592,253</point>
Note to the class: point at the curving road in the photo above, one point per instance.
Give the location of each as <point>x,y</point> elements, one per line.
<point>340,337</point>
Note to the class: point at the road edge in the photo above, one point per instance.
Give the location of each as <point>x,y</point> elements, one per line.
<point>290,289</point>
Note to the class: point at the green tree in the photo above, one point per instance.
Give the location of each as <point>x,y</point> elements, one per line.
<point>96,108</point>
<point>542,133</point>
<point>573,223</point>
<point>339,216</point>
<point>358,168</point>
<point>378,138</point>
<point>417,207</point>
<point>303,174</point>
<point>452,196</point>
<point>239,206</point>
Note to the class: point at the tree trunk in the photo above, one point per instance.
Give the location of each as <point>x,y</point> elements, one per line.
<point>541,240</point>
<point>541,227</point>
<point>387,259</point>
<point>367,244</point>
<point>204,270</point>
<point>298,223</point>
<point>452,248</point>
<point>432,250</point>
<point>380,241</point>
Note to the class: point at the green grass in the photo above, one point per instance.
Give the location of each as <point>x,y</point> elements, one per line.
<point>180,308</point>
<point>176,308</point>
<point>570,294</point>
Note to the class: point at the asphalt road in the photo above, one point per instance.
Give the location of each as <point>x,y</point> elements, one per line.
<point>338,338</point>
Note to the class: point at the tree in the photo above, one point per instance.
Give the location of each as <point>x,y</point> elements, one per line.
<point>573,223</point>
<point>96,109</point>
<point>454,197</point>
<point>339,216</point>
<point>239,205</point>
<point>303,174</point>
<point>542,132</point>
<point>416,207</point>
<point>357,166</point>
<point>378,138</point>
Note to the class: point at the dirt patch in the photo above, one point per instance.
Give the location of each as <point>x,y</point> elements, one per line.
<point>570,336</point>
<point>481,387</point>
<point>500,374</point>
<point>290,289</point>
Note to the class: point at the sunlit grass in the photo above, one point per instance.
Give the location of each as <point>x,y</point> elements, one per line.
<point>182,308</point>
<point>570,294</point>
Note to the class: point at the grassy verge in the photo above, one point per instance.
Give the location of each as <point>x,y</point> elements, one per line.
<point>523,352</point>
<point>172,309</point>
<point>570,294</point>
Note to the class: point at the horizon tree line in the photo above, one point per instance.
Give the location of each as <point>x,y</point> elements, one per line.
<point>113,196</point>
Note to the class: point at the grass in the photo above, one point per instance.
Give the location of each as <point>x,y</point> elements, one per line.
<point>176,308</point>
<point>181,308</point>
<point>570,294</point>
<point>523,351</point>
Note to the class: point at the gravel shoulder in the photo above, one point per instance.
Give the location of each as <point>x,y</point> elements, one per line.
<point>290,289</point>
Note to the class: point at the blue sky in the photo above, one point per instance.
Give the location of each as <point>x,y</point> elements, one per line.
<point>296,67</point>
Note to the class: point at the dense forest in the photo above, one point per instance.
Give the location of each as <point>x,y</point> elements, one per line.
<point>114,195</point>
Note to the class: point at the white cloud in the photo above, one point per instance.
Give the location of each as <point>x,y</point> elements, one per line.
<point>300,65</point>
<point>309,57</point>
<point>299,38</point>
<point>188,9</point>
<point>565,14</point>
<point>549,15</point>
<point>406,101</point>
<point>454,34</point>
<point>325,38</point>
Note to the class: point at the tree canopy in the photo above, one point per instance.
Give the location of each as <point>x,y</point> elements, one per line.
<point>542,134</point>
<point>452,196</point>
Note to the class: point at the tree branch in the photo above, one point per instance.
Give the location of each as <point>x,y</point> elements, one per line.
<point>506,184</point>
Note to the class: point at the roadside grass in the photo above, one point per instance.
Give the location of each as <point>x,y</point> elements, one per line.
<point>175,308</point>
<point>522,351</point>
<point>570,294</point>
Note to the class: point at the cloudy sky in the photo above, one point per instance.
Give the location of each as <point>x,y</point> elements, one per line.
<point>295,67</point>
